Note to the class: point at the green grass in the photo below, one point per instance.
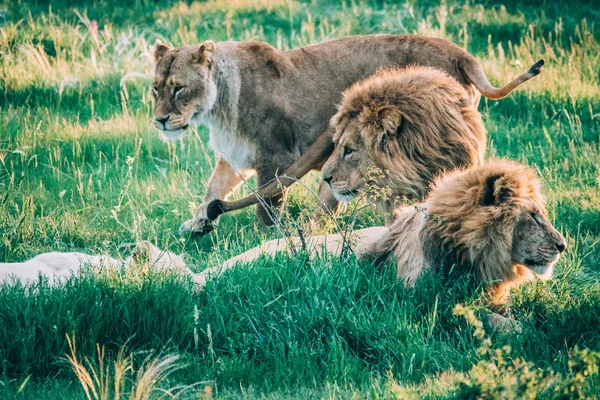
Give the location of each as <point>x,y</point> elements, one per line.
<point>81,168</point>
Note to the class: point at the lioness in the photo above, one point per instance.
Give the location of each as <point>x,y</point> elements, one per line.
<point>397,131</point>
<point>265,107</point>
<point>490,221</point>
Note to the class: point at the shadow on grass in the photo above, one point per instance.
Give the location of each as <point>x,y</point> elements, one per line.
<point>77,102</point>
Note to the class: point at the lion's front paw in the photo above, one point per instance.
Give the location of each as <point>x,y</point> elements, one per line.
<point>198,226</point>
<point>503,324</point>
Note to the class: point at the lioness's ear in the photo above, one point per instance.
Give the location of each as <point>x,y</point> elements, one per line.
<point>160,49</point>
<point>205,53</point>
<point>497,189</point>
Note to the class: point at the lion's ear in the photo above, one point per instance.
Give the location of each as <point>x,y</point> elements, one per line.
<point>205,53</point>
<point>391,129</point>
<point>160,50</point>
<point>497,190</point>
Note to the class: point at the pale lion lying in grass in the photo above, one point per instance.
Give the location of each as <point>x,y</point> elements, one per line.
<point>58,267</point>
<point>489,221</point>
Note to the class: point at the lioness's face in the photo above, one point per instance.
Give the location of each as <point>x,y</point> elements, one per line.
<point>349,168</point>
<point>183,87</point>
<point>536,243</point>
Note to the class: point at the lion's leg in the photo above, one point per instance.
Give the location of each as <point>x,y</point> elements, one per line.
<point>314,245</point>
<point>267,208</point>
<point>265,212</point>
<point>499,297</point>
<point>271,247</point>
<point>499,301</point>
<point>328,204</point>
<point>503,324</point>
<point>499,293</point>
<point>223,181</point>
<point>363,242</point>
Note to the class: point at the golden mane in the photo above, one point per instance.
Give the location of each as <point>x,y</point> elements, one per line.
<point>489,221</point>
<point>413,123</point>
<point>475,213</point>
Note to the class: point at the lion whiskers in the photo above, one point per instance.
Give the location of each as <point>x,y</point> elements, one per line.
<point>343,192</point>
<point>176,121</point>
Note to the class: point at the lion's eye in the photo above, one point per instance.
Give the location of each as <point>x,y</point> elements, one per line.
<point>347,151</point>
<point>177,90</point>
<point>536,219</point>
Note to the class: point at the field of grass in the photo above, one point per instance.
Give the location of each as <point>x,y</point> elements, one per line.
<point>82,169</point>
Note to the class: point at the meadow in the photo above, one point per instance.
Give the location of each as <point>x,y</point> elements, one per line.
<point>82,169</point>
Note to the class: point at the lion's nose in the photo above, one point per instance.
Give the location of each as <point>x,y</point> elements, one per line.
<point>328,180</point>
<point>561,245</point>
<point>163,119</point>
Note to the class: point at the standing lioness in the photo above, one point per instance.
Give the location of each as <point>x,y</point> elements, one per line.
<point>265,107</point>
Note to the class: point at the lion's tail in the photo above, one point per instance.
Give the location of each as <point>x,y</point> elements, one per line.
<point>474,73</point>
<point>319,151</point>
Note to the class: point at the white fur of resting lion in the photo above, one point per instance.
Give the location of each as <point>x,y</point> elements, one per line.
<point>58,267</point>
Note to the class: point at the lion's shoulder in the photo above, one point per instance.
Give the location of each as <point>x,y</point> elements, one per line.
<point>263,56</point>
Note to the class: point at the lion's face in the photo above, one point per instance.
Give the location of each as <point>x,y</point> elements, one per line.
<point>536,243</point>
<point>183,87</point>
<point>492,218</point>
<point>348,169</point>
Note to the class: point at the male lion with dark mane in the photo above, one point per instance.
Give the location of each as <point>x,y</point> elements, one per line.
<point>398,130</point>
<point>489,221</point>
<point>266,108</point>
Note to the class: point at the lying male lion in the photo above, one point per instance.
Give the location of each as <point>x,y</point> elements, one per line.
<point>265,107</point>
<point>489,221</point>
<point>57,266</point>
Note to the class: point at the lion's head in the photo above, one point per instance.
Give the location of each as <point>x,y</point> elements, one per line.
<point>411,124</point>
<point>161,260</point>
<point>492,219</point>
<point>183,86</point>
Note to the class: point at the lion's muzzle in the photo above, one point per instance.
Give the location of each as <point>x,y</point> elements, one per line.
<point>172,126</point>
<point>162,120</point>
<point>170,122</point>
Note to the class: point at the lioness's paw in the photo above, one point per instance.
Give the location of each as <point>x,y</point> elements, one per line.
<point>198,226</point>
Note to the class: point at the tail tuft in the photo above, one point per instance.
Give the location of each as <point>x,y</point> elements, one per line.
<point>215,209</point>
<point>536,68</point>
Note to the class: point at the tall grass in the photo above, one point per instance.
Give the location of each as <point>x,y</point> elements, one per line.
<point>102,381</point>
<point>82,169</point>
